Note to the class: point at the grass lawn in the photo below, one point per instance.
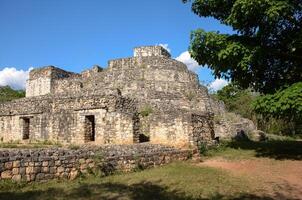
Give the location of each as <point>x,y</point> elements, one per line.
<point>182,180</point>
<point>277,149</point>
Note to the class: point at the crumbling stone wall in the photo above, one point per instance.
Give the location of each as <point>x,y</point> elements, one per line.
<point>150,51</point>
<point>151,77</point>
<point>41,80</point>
<point>62,119</point>
<point>228,124</point>
<point>46,164</point>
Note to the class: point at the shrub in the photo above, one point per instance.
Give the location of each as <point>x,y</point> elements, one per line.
<point>146,111</point>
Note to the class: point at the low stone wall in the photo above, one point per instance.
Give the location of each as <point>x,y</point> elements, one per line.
<point>54,163</point>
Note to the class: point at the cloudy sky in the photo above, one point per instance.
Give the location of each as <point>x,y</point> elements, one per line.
<point>74,35</point>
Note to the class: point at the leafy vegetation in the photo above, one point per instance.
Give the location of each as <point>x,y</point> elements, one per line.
<point>263,54</point>
<point>237,100</point>
<point>250,105</point>
<point>265,51</point>
<point>8,94</point>
<point>146,111</point>
<point>285,104</point>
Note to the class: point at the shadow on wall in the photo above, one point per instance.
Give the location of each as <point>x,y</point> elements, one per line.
<point>143,190</point>
<point>276,149</point>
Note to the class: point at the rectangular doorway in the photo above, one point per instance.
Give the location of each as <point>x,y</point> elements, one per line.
<point>89,134</point>
<point>25,128</point>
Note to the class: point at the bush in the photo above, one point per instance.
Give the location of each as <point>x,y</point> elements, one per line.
<point>146,111</point>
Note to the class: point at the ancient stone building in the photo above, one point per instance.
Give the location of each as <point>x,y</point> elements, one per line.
<point>147,97</point>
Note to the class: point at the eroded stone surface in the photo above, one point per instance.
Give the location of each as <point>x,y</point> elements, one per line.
<point>55,163</point>
<point>149,95</point>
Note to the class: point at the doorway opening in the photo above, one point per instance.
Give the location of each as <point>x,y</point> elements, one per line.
<point>89,134</point>
<point>25,128</point>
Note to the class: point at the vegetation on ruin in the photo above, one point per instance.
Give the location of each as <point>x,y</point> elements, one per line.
<point>146,111</point>
<point>8,94</point>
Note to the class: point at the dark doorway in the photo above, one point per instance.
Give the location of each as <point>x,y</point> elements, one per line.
<point>89,128</point>
<point>26,127</point>
<point>144,138</point>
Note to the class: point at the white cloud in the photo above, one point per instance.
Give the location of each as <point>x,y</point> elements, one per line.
<point>13,77</point>
<point>186,58</point>
<point>165,46</point>
<point>217,84</point>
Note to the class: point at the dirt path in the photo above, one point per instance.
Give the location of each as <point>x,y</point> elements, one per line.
<point>278,179</point>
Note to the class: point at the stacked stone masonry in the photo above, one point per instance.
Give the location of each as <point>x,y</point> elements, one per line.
<point>147,96</point>
<point>46,164</point>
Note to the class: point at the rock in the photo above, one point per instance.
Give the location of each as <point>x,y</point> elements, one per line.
<point>73,174</point>
<point>60,169</point>
<point>241,136</point>
<point>16,177</point>
<point>6,174</point>
<point>16,163</point>
<point>15,171</point>
<point>257,135</point>
<point>8,165</point>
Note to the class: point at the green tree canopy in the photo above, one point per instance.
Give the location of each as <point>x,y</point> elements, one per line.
<point>237,100</point>
<point>264,53</point>
<point>286,104</point>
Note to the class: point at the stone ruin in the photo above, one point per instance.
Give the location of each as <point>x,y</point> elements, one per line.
<point>147,97</point>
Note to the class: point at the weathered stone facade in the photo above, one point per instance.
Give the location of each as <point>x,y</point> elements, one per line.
<point>148,97</point>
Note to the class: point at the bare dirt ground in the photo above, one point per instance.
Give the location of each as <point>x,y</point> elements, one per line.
<point>279,179</point>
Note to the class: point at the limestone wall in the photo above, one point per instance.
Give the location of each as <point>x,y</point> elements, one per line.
<point>63,119</point>
<point>150,51</point>
<point>39,86</point>
<point>151,78</point>
<point>46,164</point>
<point>41,80</point>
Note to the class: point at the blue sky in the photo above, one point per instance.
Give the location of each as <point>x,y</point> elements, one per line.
<point>76,34</point>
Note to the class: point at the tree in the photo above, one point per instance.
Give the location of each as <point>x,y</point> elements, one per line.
<point>8,94</point>
<point>285,104</point>
<point>264,53</point>
<point>237,100</point>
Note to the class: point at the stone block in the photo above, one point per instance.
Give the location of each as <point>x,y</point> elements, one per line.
<point>57,163</point>
<point>6,174</point>
<point>60,169</point>
<point>15,171</point>
<point>40,176</point>
<point>52,170</point>
<point>73,174</point>
<point>8,165</point>
<point>22,170</point>
<point>45,163</point>
<point>16,177</point>
<point>17,163</point>
<point>45,169</point>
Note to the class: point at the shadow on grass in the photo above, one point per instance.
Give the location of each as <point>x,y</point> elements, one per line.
<point>112,191</point>
<point>276,149</point>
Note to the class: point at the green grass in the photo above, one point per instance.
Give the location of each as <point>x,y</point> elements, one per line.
<point>174,181</point>
<point>279,149</point>
<point>30,145</point>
